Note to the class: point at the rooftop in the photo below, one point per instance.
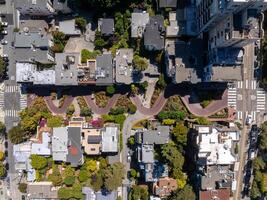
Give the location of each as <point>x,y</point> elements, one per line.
<point>28,73</point>
<point>110,136</point>
<point>222,194</point>
<point>68,27</point>
<point>66,68</point>
<point>91,141</point>
<point>60,144</point>
<point>31,40</point>
<point>216,146</point>
<point>185,63</point>
<point>104,70</point>
<point>33,26</point>
<point>159,136</point>
<point>41,190</point>
<point>107,26</point>
<point>165,186</point>
<point>154,33</point>
<point>124,67</point>
<point>226,73</point>
<point>42,148</point>
<point>139,22</point>
<point>167,3</point>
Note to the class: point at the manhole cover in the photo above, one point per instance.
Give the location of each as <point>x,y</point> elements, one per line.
<point>253,97</point>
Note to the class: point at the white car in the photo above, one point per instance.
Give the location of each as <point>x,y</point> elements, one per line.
<point>4,42</point>
<point>4,23</point>
<point>249,119</point>
<point>4,32</point>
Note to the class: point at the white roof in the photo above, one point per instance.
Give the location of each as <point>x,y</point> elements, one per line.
<point>60,144</point>
<point>110,139</point>
<point>42,148</point>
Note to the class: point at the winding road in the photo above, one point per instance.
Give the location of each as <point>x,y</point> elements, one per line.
<point>171,90</point>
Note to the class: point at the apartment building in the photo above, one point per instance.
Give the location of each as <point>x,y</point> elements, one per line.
<point>35,7</point>
<point>210,12</point>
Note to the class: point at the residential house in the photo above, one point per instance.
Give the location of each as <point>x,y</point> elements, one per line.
<point>151,169</point>
<point>216,158</point>
<point>33,47</point>
<point>61,6</point>
<point>66,145</point>
<point>33,26</point>
<point>35,7</point>
<point>42,146</point>
<point>185,61</point>
<point>110,139</point>
<point>68,27</point>
<point>41,190</point>
<point>139,21</point>
<point>124,66</point>
<point>104,73</point>
<point>66,68</point>
<point>27,72</point>
<point>154,34</point>
<point>91,140</point>
<point>164,187</point>
<point>222,194</point>
<point>100,195</point>
<point>22,161</point>
<point>106,26</point>
<point>167,3</point>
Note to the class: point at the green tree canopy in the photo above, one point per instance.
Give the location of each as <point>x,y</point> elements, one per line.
<point>161,82</point>
<point>180,133</point>
<point>91,165</point>
<point>54,121</point>
<point>83,176</point>
<point>2,67</point>
<point>23,187</point>
<point>81,23</point>
<point>110,89</point>
<point>86,112</point>
<point>186,193</point>
<point>38,162</point>
<point>69,180</point>
<point>113,176</point>
<point>97,181</point>
<point>138,193</point>
<point>16,135</point>
<point>2,170</point>
<point>55,177</point>
<point>140,63</point>
<point>86,55</point>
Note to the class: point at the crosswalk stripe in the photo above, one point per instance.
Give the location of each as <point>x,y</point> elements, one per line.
<point>11,113</point>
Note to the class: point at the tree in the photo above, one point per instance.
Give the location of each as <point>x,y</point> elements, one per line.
<point>2,67</point>
<point>255,191</point>
<point>70,110</point>
<point>132,108</point>
<point>86,112</point>
<point>110,89</point>
<point>2,155</point>
<point>180,133</point>
<point>91,165</point>
<point>140,63</point>
<point>86,55</point>
<point>54,121</point>
<point>2,129</point>
<point>55,177</point>
<point>117,111</point>
<point>2,170</point>
<point>113,176</point>
<point>97,181</point>
<point>68,171</point>
<point>59,40</point>
<point>134,89</point>
<point>144,85</point>
<point>38,162</point>
<point>99,44</point>
<point>182,194</point>
<point>161,82</point>
<point>138,193</point>
<point>83,176</point>
<point>69,180</point>
<point>203,121</point>
<point>16,135</point>
<point>134,174</point>
<point>23,187</point>
<point>258,163</point>
<point>81,23</point>
<point>131,141</point>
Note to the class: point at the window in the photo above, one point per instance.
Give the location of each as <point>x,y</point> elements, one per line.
<point>92,149</point>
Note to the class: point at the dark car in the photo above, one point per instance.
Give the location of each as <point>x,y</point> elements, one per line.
<point>2,1</point>
<point>254,128</point>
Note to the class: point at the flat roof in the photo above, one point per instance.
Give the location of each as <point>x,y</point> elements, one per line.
<point>68,27</point>
<point>226,73</point>
<point>60,144</point>
<point>104,70</point>
<point>139,22</point>
<point>110,136</point>
<point>27,40</point>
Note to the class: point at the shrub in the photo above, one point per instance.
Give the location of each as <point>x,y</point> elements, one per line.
<point>54,121</point>
<point>23,187</point>
<point>70,110</point>
<point>38,162</point>
<point>86,112</point>
<point>2,155</point>
<point>83,176</point>
<point>132,108</point>
<point>86,55</point>
<point>110,89</point>
<point>117,111</point>
<point>140,63</point>
<point>69,181</point>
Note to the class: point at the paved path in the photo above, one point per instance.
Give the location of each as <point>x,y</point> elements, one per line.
<point>194,108</point>
<point>56,110</point>
<point>101,111</point>
<point>214,107</point>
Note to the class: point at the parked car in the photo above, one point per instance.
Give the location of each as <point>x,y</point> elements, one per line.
<point>4,24</point>
<point>2,1</point>
<point>249,119</point>
<point>4,42</point>
<point>254,128</point>
<point>128,157</point>
<point>5,57</point>
<point>251,154</point>
<point>4,32</point>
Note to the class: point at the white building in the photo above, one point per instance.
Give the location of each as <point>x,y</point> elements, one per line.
<point>216,145</point>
